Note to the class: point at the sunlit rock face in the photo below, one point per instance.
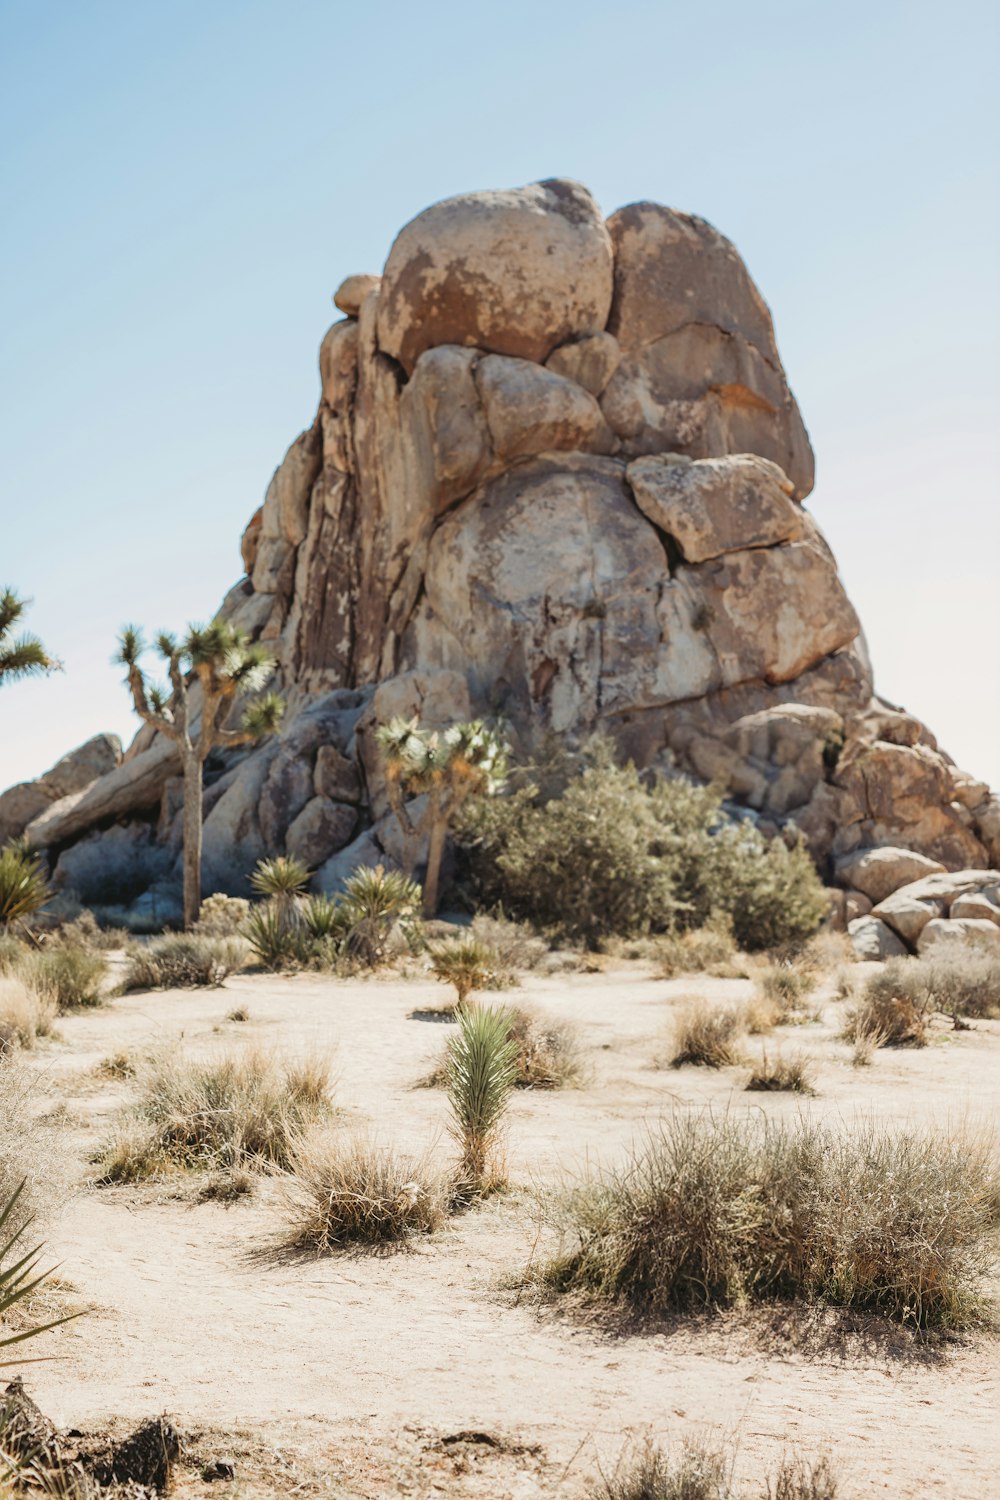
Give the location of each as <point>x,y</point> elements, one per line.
<point>556,475</point>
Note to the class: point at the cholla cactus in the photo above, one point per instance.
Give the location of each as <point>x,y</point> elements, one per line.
<point>222,663</point>
<point>448,765</point>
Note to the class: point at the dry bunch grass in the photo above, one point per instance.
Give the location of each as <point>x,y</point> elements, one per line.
<point>25,1014</point>
<point>699,1472</point>
<point>783,989</point>
<point>705,950</point>
<point>708,1035</point>
<point>184,961</point>
<point>715,1210</point>
<point>346,1190</point>
<point>794,1075</point>
<point>886,1018</point>
<point>64,972</point>
<point>245,1110</point>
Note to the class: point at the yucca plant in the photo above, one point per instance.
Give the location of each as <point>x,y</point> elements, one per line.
<point>466,963</point>
<point>24,889</point>
<point>20,1277</point>
<point>449,766</point>
<point>225,665</point>
<point>323,918</point>
<point>374,901</point>
<point>480,1074</point>
<point>282,878</point>
<point>276,944</point>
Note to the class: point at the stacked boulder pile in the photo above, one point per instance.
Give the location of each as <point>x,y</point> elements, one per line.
<point>556,476</point>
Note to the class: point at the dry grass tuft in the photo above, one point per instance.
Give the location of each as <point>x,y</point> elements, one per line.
<point>716,1210</point>
<point>353,1191</point>
<point>708,1035</point>
<point>886,1019</point>
<point>245,1110</point>
<point>705,950</point>
<point>25,1014</point>
<point>798,1480</point>
<point>794,1075</point>
<point>783,989</point>
<point>698,1472</point>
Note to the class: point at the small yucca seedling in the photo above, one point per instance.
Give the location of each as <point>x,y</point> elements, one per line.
<point>466,963</point>
<point>322,917</point>
<point>480,1073</point>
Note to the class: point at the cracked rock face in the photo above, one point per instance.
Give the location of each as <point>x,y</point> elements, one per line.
<point>556,473</point>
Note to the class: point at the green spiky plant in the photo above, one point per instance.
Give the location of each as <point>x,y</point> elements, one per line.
<point>374,900</point>
<point>24,655</point>
<point>221,663</point>
<point>449,766</point>
<point>480,1074</point>
<point>20,1275</point>
<point>24,889</point>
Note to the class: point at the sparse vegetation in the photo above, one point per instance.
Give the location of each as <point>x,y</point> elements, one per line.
<point>221,915</point>
<point>707,1035</point>
<point>782,990</point>
<point>591,850</point>
<point>889,1014</point>
<point>25,1015</point>
<point>716,1210</point>
<point>352,1190</point>
<point>704,950</point>
<point>183,961</point>
<point>244,1110</point>
<point>963,980</point>
<point>699,1472</point>
<point>24,889</point>
<point>480,1075</point>
<point>794,1075</point>
<point>61,972</point>
<point>548,1054</point>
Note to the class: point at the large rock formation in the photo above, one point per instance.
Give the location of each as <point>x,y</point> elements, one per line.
<point>557,475</point>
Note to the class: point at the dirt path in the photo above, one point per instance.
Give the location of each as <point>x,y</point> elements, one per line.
<point>190,1318</point>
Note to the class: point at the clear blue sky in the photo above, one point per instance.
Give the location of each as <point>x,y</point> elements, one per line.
<point>184,185</point>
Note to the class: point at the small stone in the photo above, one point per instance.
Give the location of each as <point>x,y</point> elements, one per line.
<point>219,1468</point>
<point>352,291</point>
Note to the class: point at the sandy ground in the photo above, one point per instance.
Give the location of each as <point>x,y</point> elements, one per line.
<point>357,1375</point>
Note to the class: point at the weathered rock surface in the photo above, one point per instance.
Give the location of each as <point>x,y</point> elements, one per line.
<point>513,272</point>
<point>879,872</point>
<point>958,930</point>
<point>555,474</point>
<point>873,940</point>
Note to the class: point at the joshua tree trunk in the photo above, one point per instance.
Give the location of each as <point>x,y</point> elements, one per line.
<point>437,833</point>
<point>192,838</point>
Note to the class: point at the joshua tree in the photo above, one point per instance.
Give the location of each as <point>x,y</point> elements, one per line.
<point>25,655</point>
<point>449,766</point>
<point>220,662</point>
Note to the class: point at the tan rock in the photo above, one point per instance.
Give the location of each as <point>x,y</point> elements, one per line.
<point>352,291</point>
<point>856,904</point>
<point>879,872</point>
<point>320,830</point>
<point>908,916</point>
<point>443,422</point>
<point>961,930</point>
<point>338,369</point>
<point>905,793</point>
<point>530,410</point>
<point>515,272</point>
<point>133,786</point>
<point>700,371</point>
<point>285,513</point>
<point>948,886</point>
<point>716,505</point>
<point>977,905</point>
<point>589,361</point>
<point>872,939</point>
<point>250,540</point>
<point>335,776</point>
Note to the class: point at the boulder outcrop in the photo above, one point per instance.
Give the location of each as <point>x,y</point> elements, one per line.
<point>557,475</point>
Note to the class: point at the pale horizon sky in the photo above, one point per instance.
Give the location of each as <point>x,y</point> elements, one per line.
<point>185,185</point>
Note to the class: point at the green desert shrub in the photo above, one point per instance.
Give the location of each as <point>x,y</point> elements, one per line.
<point>243,1110</point>
<point>605,852</point>
<point>346,1190</point>
<point>183,960</point>
<point>707,1035</point>
<point>715,1210</point>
